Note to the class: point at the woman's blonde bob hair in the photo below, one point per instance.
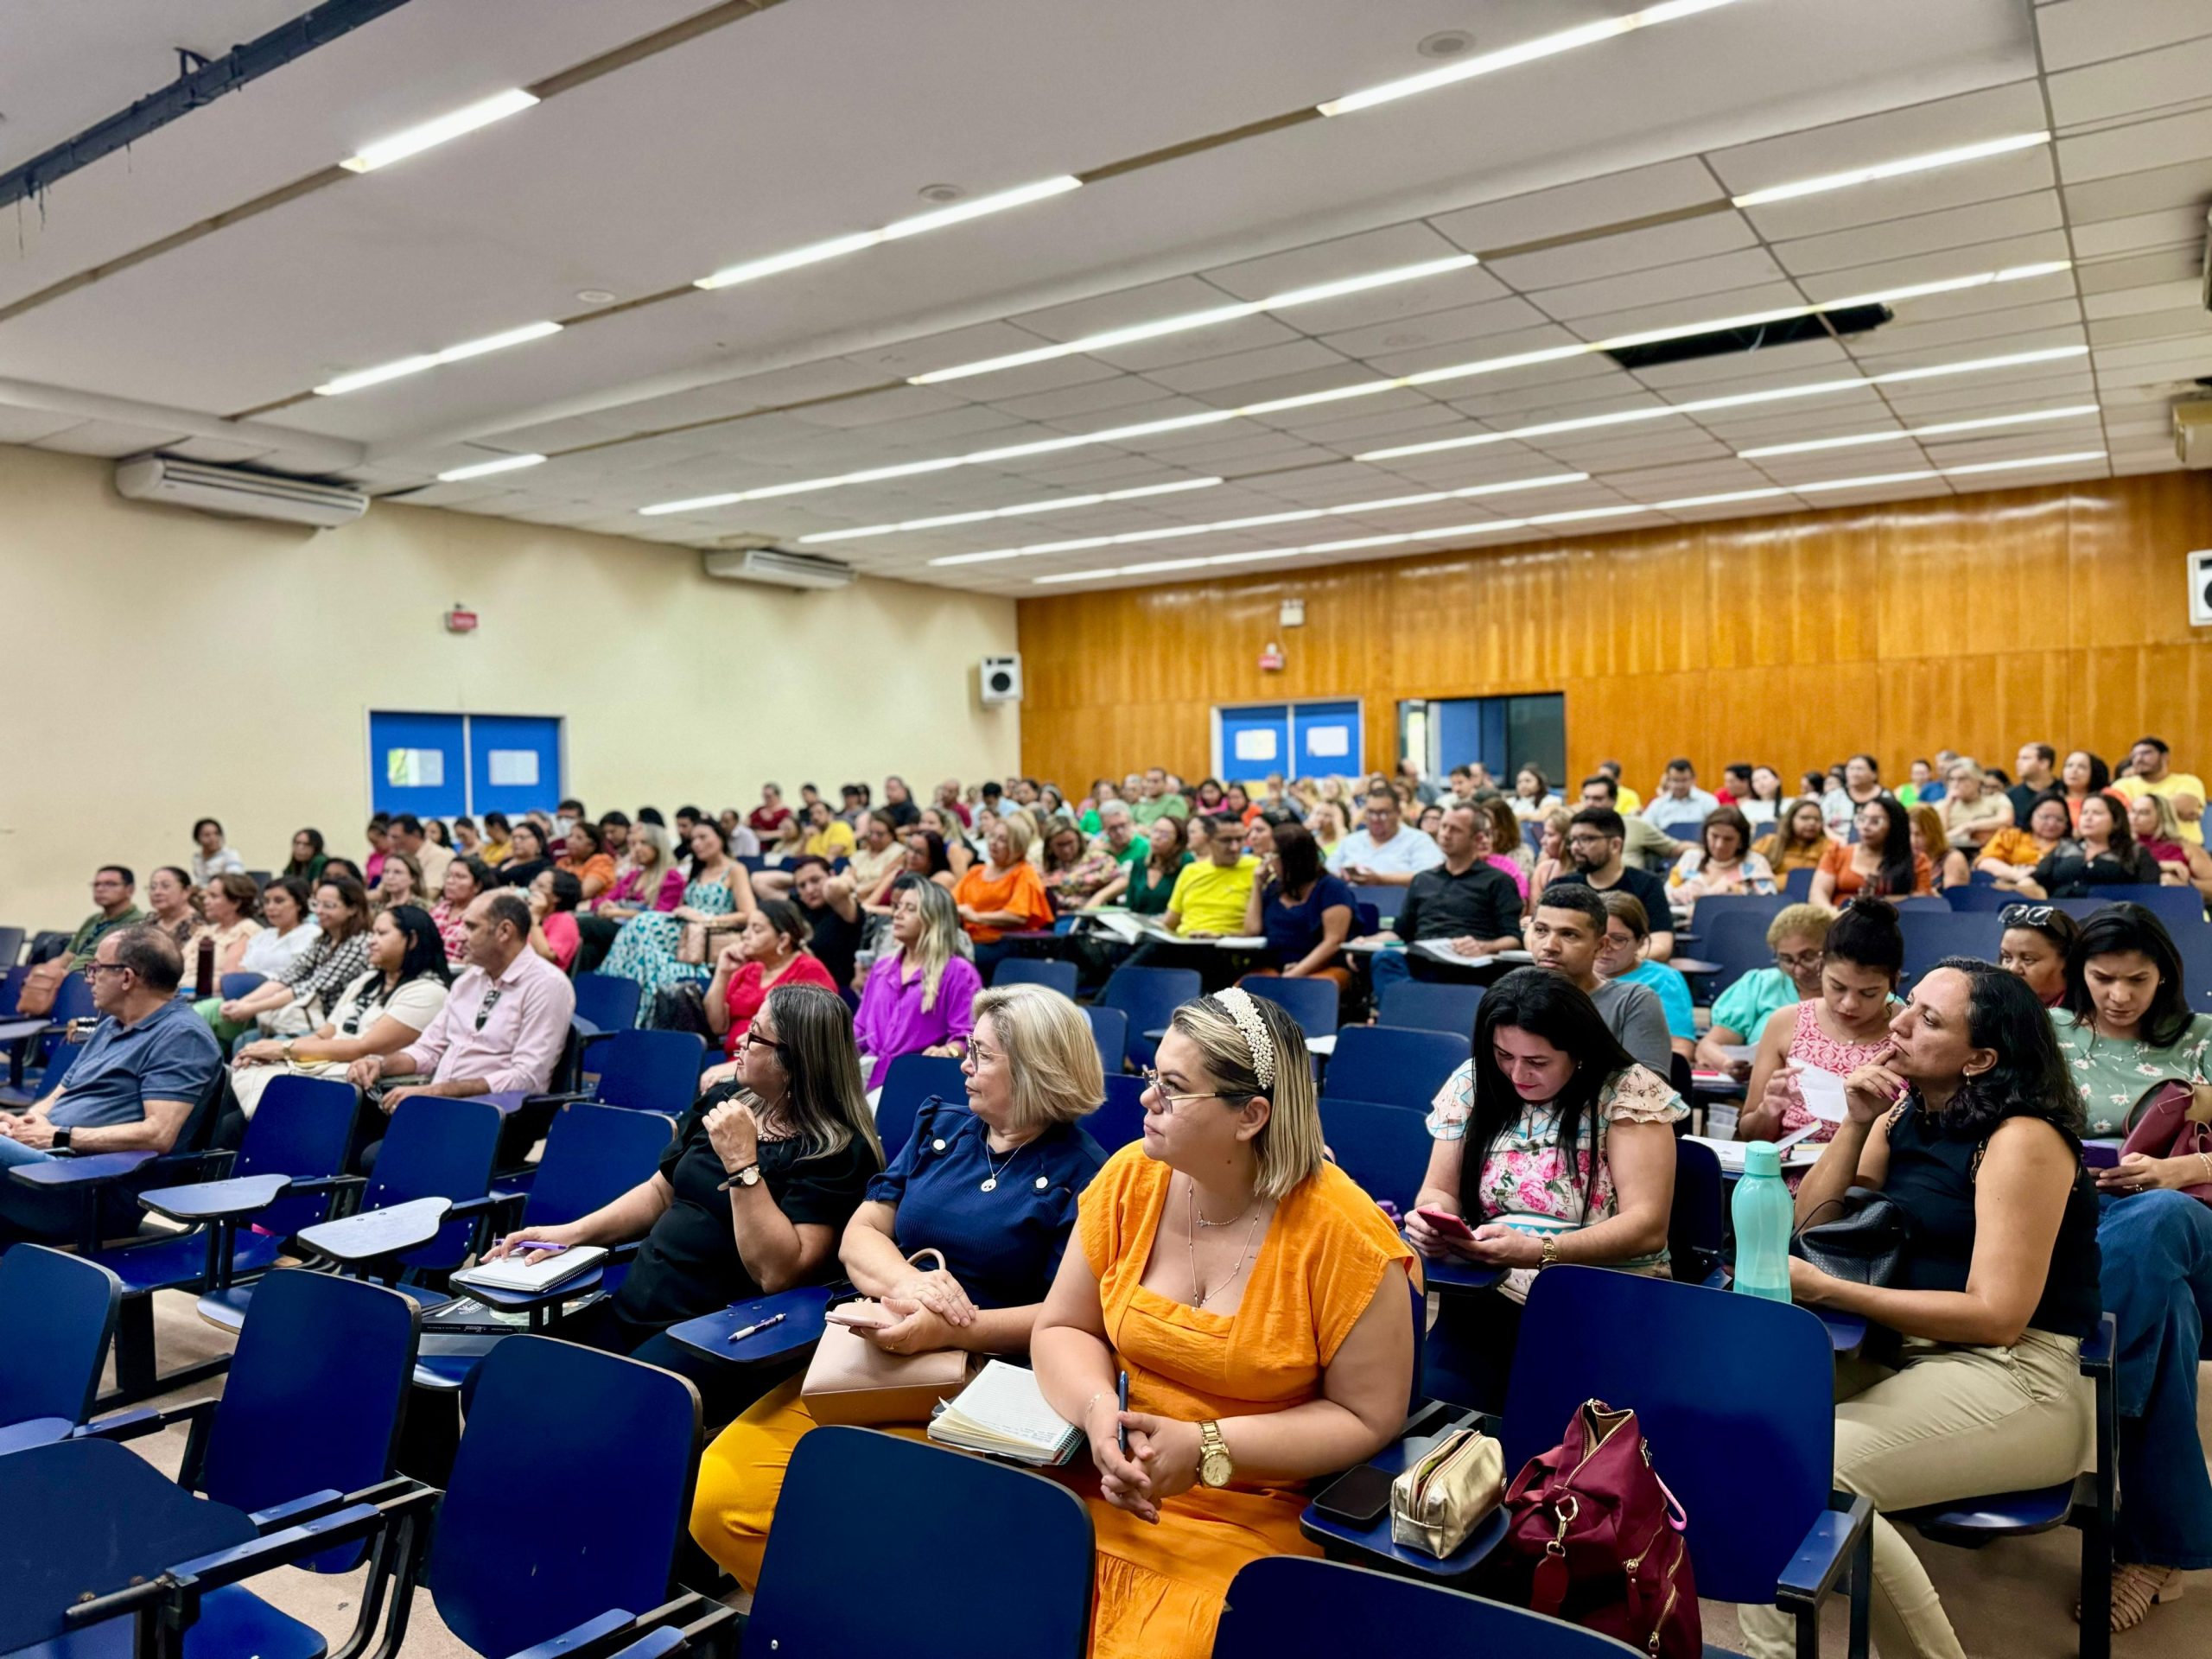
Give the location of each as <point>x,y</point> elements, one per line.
<point>1289,1146</point>
<point>1050,1053</point>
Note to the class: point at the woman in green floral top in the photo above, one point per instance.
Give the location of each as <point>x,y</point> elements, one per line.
<point>2125,1028</point>
<point>1555,1145</point>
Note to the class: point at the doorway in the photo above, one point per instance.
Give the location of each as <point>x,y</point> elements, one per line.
<point>1503,734</point>
<point>444,765</point>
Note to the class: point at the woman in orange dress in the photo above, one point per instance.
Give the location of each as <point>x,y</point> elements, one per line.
<point>1257,1299</point>
<point>1006,892</point>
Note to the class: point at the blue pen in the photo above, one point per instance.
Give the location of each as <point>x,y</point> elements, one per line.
<point>1122,1401</point>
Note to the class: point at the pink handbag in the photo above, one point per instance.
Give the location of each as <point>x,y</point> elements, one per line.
<point>2163,1129</point>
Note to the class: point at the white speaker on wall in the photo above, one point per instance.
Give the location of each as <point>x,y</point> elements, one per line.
<point>2200,588</point>
<point>1000,678</point>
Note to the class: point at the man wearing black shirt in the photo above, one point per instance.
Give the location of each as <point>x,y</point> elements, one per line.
<point>832,913</point>
<point>1468,903</point>
<point>1594,838</point>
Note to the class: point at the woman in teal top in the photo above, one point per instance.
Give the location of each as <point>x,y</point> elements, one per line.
<point>1144,885</point>
<point>1798,936</point>
<point>1628,930</point>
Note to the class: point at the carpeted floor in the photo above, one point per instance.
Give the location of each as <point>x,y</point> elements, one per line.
<point>2014,1600</point>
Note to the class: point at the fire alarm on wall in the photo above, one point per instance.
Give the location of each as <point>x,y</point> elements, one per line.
<point>1271,658</point>
<point>460,619</point>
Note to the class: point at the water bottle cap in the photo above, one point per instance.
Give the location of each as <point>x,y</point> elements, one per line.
<point>1761,1158</point>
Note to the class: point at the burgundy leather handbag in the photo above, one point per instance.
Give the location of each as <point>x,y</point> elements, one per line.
<point>1600,1537</point>
<point>2162,1130</point>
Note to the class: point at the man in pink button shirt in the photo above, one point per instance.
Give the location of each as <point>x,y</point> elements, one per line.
<point>504,1024</point>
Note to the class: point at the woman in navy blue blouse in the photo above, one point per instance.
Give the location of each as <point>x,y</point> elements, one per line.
<point>1305,913</point>
<point>988,1186</point>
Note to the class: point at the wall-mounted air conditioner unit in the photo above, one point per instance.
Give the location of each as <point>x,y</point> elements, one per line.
<point>233,492</point>
<point>778,568</point>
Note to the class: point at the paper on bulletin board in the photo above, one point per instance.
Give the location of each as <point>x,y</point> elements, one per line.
<point>1329,742</point>
<point>1255,743</point>
<point>414,768</point>
<point>511,768</point>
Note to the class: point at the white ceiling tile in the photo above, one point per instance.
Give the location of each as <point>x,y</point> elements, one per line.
<point>1450,290</point>
<point>2054,323</point>
<point>2020,171</point>
<point>1333,261</point>
<point>1691,313</point>
<point>2136,147</point>
<point>2191,324</point>
<point>1890,135</point>
<point>1118,391</point>
<point>2172,228</point>
<point>1488,349</point>
<point>1248,334</point>
<point>2090,31</point>
<point>1123,308</point>
<point>876,408</point>
<point>1574,208</point>
<point>2035,250</point>
<point>1956,228</point>
<point>2185,184</point>
<point>2148,80</point>
<point>1244,369</point>
<point>29,425</point>
<point>110,438</point>
<point>1436,327</point>
<point>1693,279</point>
<point>1613,256</point>
<point>2139,270</point>
<point>2181,294</point>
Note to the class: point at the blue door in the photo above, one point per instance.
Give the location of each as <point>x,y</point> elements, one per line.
<point>514,763</point>
<point>1325,740</point>
<point>1254,741</point>
<point>1470,730</point>
<point>418,764</point>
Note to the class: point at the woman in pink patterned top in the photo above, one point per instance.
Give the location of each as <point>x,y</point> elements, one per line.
<point>1846,1027</point>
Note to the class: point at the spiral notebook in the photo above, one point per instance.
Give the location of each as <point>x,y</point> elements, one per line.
<point>1003,1414</point>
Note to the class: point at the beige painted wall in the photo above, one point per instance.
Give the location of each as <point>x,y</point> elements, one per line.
<point>161,664</point>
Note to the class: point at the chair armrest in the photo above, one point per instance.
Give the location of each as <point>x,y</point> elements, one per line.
<point>566,1097</point>
<point>141,1421</point>
<point>298,1511</point>
<point>468,1207</point>
<point>328,1184</point>
<point>2097,1348</point>
<point>686,1619</point>
<point>81,1171</point>
<point>1824,1553</point>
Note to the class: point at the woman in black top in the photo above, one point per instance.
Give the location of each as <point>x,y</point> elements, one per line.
<point>765,1171</point>
<point>1970,1124</point>
<point>2101,853</point>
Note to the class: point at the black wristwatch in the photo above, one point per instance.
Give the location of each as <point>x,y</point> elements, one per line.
<point>61,1139</point>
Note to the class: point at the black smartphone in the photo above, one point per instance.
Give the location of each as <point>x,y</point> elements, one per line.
<point>1358,1498</point>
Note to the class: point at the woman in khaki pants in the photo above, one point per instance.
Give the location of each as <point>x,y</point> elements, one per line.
<point>1970,1124</point>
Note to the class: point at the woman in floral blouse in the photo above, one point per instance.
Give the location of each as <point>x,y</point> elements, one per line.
<point>2125,1031</point>
<point>1572,1159</point>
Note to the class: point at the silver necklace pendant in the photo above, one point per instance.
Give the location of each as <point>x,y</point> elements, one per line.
<point>991,1184</point>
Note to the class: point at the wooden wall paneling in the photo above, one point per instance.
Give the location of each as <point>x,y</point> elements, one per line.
<point>2127,537</point>
<point>1643,721</point>
<point>1934,553</point>
<point>2124,692</point>
<point>1985,705</point>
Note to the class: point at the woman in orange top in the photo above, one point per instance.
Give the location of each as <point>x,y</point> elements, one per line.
<point>1882,862</point>
<point>1004,892</point>
<point>1257,1299</point>
<point>587,859</point>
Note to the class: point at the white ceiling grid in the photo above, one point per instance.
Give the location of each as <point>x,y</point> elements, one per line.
<point>1617,163</point>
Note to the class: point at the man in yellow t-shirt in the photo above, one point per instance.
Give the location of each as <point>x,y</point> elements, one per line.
<point>1625,800</point>
<point>2154,775</point>
<point>830,837</point>
<point>1214,888</point>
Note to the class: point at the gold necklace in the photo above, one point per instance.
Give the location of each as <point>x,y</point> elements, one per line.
<point>1201,1294</point>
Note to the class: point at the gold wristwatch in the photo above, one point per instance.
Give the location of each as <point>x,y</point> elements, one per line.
<point>1214,1465</point>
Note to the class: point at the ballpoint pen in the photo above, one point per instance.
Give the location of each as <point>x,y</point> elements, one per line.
<point>754,1330</point>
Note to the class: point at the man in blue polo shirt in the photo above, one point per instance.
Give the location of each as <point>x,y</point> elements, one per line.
<point>151,1061</point>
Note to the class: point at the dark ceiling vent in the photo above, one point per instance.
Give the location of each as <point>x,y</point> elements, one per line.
<point>1724,342</point>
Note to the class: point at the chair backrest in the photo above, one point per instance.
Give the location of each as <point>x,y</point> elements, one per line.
<point>1311,1002</point>
<point>1932,935</point>
<point>907,1082</point>
<point>1393,1065</point>
<point>2194,945</point>
<point>73,1001</point>
<point>1110,1029</point>
<point>1150,996</point>
<point>647,1070</point>
<point>1415,1005</point>
<point>11,988</point>
<point>1385,1148</point>
<point>1765,906</point>
<point>607,1001</point>
<point>11,945</point>
<point>59,1312</point>
<point>805,1602</point>
<point>1737,940</point>
<point>1053,976</point>
<point>1697,1228</point>
<point>1978,898</point>
<point>1797,886</point>
<point>316,1392</point>
<point>1296,1607</point>
<point>233,986</point>
<point>261,878</point>
<point>2177,907</point>
<point>437,1147</point>
<point>1121,1119</point>
<point>1734,1394</point>
<point>593,1155</point>
<point>571,1487</point>
<point>299,1129</point>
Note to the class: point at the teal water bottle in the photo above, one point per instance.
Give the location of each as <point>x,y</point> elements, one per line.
<point>1762,1210</point>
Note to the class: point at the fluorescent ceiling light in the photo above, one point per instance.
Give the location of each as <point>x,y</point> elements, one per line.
<point>1581,515</point>
<point>1215,417</point>
<point>1544,46</point>
<point>406,365</point>
<point>1209,318</point>
<point>1944,429</point>
<point>486,468</point>
<point>1892,169</point>
<point>431,134</point>
<point>1173,531</point>
<point>1020,510</point>
<point>837,246</point>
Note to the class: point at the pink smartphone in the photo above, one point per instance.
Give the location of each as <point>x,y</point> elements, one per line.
<point>861,1316</point>
<point>1444,1221</point>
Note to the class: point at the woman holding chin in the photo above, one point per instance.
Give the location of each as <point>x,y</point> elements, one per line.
<point>1551,1145</point>
<point>991,1187</point>
<point>1256,1300</point>
<point>1970,1124</point>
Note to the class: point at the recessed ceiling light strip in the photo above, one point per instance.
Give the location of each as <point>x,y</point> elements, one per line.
<point>836,247</point>
<point>407,365</point>
<point>489,468</point>
<point>1943,429</point>
<point>1895,169</point>
<point>445,129</point>
<point>1020,510</point>
<point>1581,515</point>
<point>1350,509</point>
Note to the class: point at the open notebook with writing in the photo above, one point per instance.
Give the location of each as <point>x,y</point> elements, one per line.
<point>1003,1412</point>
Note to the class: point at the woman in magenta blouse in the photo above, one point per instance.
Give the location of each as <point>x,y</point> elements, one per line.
<point>921,995</point>
<point>648,880</point>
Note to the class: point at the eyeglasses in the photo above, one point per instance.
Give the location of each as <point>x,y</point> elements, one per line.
<point>755,1040</point>
<point>2024,915</point>
<point>93,969</point>
<point>1801,962</point>
<point>1155,1085</point>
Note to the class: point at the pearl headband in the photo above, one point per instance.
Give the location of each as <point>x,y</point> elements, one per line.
<point>1246,1013</point>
